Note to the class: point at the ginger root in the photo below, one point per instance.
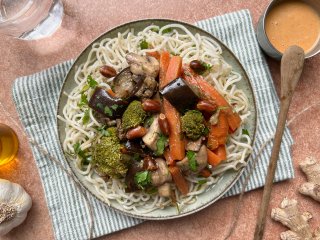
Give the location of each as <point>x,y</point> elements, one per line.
<point>312,169</point>
<point>288,214</point>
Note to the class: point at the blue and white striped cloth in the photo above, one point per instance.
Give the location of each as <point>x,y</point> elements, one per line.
<point>36,97</point>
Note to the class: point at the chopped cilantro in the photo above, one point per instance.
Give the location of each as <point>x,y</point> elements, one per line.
<point>91,82</point>
<point>115,107</point>
<point>167,30</point>
<point>85,159</point>
<point>86,117</point>
<point>144,44</point>
<point>83,100</point>
<point>245,132</point>
<point>192,160</point>
<point>103,131</point>
<point>100,105</point>
<point>108,111</point>
<point>202,181</point>
<point>161,144</point>
<point>207,66</point>
<point>206,131</point>
<point>149,121</point>
<point>155,29</point>
<point>142,179</point>
<point>85,88</point>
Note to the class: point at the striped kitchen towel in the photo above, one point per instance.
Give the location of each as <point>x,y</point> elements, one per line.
<point>36,97</point>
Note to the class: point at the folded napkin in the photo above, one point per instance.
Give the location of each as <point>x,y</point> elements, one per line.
<point>36,97</point>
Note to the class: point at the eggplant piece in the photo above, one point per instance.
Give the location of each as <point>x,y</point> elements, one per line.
<point>126,84</point>
<point>180,95</point>
<point>129,179</point>
<point>103,103</point>
<point>134,147</point>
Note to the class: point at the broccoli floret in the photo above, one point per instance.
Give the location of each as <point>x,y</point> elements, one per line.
<point>133,116</point>
<point>107,157</point>
<point>193,124</point>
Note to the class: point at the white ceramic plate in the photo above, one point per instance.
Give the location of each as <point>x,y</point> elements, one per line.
<point>226,181</point>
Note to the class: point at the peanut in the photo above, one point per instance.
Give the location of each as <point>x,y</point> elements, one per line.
<point>108,71</point>
<point>163,124</point>
<point>150,105</point>
<point>197,66</point>
<point>206,106</point>
<point>137,132</point>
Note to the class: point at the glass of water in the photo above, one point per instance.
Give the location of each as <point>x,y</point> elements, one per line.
<point>30,19</point>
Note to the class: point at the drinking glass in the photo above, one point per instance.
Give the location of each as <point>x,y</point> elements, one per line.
<point>8,144</point>
<point>30,19</point>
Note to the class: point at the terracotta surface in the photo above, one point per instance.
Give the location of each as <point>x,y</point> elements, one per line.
<point>83,22</point>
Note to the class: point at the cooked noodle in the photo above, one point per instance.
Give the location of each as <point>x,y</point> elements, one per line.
<point>112,51</point>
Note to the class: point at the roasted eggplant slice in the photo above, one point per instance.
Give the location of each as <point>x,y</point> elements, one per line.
<point>127,84</point>
<point>103,103</point>
<point>180,95</point>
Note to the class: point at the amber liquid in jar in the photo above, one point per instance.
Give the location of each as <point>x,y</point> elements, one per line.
<point>8,144</point>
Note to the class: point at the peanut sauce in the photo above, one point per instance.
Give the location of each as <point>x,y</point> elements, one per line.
<point>293,23</point>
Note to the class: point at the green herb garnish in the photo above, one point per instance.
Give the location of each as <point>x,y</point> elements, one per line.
<point>223,108</point>
<point>85,159</point>
<point>103,131</point>
<point>161,144</point>
<point>245,132</point>
<point>142,179</point>
<point>155,29</point>
<point>83,100</point>
<point>115,107</point>
<point>206,131</point>
<point>108,111</point>
<point>86,117</point>
<point>85,88</point>
<point>167,30</point>
<point>91,82</point>
<point>144,44</point>
<point>202,181</point>
<point>149,121</point>
<point>192,160</point>
<point>100,105</point>
<point>207,66</point>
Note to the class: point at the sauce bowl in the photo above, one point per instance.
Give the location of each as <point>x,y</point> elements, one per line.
<point>263,39</point>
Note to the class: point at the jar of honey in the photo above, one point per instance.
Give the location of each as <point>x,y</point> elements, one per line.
<point>8,144</point>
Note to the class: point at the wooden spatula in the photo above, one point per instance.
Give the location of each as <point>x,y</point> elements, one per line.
<point>291,68</point>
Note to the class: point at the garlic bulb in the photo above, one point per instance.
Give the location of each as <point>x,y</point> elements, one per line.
<point>15,203</point>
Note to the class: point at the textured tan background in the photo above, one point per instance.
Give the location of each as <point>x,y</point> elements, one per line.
<point>84,21</point>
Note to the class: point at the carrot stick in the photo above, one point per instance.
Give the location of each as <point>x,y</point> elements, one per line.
<point>111,93</point>
<point>174,69</point>
<point>168,157</point>
<point>205,173</point>
<point>221,152</point>
<point>176,142</point>
<point>218,133</point>
<point>216,157</point>
<point>208,92</point>
<point>179,180</point>
<point>164,63</point>
<point>154,54</point>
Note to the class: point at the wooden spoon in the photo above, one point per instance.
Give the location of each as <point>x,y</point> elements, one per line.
<point>291,68</point>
